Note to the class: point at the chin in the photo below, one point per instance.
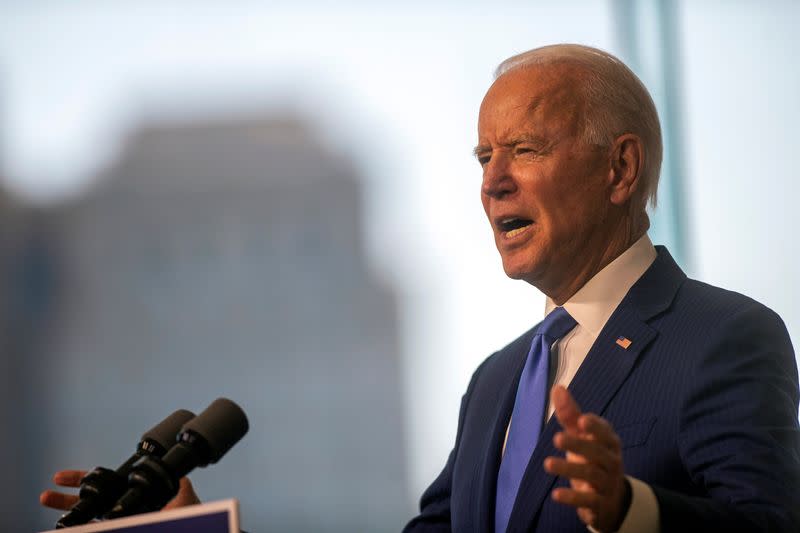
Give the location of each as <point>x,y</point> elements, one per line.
<point>515,275</point>
<point>517,271</point>
<point>527,267</point>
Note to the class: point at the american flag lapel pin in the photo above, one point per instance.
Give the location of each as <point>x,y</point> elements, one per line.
<point>624,342</point>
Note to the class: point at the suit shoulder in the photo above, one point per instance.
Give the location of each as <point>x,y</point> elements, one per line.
<point>712,316</point>
<point>718,304</point>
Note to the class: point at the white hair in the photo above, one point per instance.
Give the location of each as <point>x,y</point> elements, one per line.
<point>616,101</point>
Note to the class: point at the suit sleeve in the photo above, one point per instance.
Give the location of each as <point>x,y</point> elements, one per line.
<point>738,437</point>
<point>434,505</point>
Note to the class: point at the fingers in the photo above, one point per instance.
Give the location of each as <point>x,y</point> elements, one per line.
<point>576,498</point>
<point>591,446</point>
<point>69,478</point>
<point>566,409</point>
<point>592,464</point>
<point>572,420</point>
<point>57,500</point>
<point>594,475</point>
<point>72,478</point>
<point>592,455</point>
<point>599,429</point>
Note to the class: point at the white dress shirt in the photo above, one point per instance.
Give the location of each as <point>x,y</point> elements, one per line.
<point>591,308</point>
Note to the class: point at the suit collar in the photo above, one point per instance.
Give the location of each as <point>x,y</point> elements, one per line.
<point>594,303</point>
<point>656,289</point>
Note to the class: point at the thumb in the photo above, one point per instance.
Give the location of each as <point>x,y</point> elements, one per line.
<point>567,410</point>
<point>186,495</point>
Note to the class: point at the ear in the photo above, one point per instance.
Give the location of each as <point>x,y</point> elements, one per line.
<point>627,162</point>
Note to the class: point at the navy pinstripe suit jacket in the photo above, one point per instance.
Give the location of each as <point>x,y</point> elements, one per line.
<point>704,400</point>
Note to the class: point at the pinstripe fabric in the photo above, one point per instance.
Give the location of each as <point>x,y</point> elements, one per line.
<point>704,400</point>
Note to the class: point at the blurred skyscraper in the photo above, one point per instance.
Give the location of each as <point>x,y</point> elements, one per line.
<point>224,258</point>
<point>27,292</point>
<point>10,416</point>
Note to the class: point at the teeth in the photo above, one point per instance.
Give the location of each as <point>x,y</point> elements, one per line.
<point>508,220</point>
<point>515,232</point>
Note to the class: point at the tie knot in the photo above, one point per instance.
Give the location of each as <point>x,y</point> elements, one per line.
<point>556,324</point>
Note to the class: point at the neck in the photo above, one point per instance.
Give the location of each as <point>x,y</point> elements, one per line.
<point>586,270</point>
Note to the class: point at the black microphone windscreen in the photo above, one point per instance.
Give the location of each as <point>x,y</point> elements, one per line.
<point>222,424</point>
<point>165,431</point>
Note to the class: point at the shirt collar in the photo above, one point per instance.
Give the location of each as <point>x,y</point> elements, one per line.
<point>593,304</point>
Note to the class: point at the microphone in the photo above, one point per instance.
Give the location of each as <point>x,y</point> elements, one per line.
<point>154,481</point>
<point>101,487</point>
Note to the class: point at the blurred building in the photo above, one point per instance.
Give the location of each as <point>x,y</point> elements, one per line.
<point>27,292</point>
<point>11,418</point>
<point>224,258</point>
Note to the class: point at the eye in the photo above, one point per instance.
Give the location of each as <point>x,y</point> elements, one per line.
<point>483,156</point>
<point>525,150</point>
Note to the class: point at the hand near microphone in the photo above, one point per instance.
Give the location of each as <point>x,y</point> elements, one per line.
<point>72,478</point>
<point>154,477</point>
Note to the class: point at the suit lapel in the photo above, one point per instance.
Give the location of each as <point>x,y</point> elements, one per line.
<point>608,363</point>
<point>602,373</point>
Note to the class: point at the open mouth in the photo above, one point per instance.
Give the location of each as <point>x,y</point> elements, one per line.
<point>514,226</point>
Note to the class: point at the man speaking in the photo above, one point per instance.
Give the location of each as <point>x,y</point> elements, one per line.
<point>644,401</point>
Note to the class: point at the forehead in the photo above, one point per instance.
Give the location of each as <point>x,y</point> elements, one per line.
<point>544,98</point>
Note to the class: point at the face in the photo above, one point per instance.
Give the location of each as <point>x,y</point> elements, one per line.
<point>544,190</point>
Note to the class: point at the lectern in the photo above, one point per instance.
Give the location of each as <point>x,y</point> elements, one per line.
<point>214,517</point>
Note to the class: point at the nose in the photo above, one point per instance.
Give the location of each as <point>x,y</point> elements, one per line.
<point>497,178</point>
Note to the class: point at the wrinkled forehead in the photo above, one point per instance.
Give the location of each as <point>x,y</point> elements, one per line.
<point>546,97</point>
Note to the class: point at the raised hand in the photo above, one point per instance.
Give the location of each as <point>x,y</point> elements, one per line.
<point>598,489</point>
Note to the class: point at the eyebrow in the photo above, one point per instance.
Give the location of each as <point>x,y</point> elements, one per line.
<point>519,139</point>
<point>481,148</point>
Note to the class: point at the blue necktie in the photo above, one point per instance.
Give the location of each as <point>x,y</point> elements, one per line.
<point>528,415</point>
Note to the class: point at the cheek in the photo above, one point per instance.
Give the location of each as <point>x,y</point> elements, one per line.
<point>564,215</point>
<point>580,201</point>
<point>583,213</point>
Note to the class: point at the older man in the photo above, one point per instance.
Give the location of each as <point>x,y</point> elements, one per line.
<point>689,392</point>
